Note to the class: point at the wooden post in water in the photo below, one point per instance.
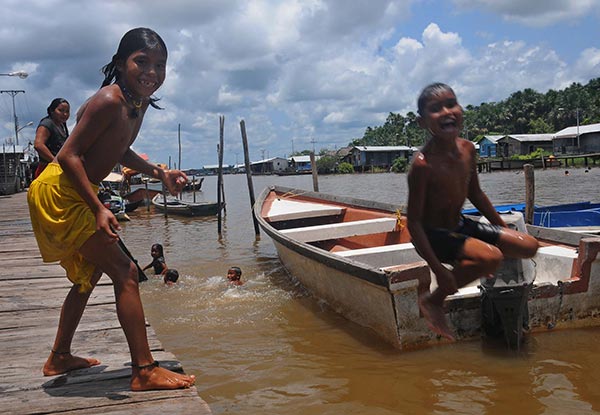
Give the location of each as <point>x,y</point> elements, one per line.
<point>164,192</point>
<point>194,187</point>
<point>220,174</point>
<point>179,159</point>
<point>147,196</point>
<point>313,167</point>
<point>223,196</point>
<point>249,176</point>
<point>529,193</point>
<point>179,143</point>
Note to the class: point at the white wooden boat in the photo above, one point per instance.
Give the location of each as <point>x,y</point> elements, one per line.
<point>357,256</point>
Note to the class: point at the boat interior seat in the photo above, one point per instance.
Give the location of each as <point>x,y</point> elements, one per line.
<point>553,263</point>
<point>383,256</point>
<point>341,230</point>
<point>285,210</point>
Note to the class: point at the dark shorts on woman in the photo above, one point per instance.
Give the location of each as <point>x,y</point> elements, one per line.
<point>447,244</point>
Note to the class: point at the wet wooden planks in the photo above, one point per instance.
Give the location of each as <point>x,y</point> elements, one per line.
<point>31,295</point>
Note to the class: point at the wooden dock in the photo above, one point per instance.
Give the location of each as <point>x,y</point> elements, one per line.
<point>31,295</point>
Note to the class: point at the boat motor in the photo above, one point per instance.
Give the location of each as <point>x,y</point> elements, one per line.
<point>504,311</point>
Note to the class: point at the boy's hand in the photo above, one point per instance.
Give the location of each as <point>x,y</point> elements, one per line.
<point>175,180</point>
<point>106,221</point>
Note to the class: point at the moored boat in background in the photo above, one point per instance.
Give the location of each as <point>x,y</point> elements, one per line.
<point>113,202</point>
<point>183,208</point>
<point>356,255</point>
<point>193,185</point>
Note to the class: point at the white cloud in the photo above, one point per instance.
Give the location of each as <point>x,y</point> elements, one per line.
<point>533,13</point>
<point>588,64</point>
<point>299,69</point>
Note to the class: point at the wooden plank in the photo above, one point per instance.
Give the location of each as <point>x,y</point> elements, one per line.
<point>32,272</point>
<point>341,230</point>
<point>38,300</point>
<point>22,370</point>
<point>285,209</point>
<point>376,249</point>
<point>382,256</point>
<point>108,397</point>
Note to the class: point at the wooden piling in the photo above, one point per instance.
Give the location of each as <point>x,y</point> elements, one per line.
<point>179,152</point>
<point>164,192</point>
<point>194,187</point>
<point>220,171</point>
<point>147,196</point>
<point>529,193</point>
<point>313,166</point>
<point>249,175</point>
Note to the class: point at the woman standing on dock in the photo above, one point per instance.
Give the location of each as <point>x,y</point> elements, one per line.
<point>72,226</point>
<point>51,133</point>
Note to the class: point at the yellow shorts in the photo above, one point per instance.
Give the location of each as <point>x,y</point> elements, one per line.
<point>62,222</point>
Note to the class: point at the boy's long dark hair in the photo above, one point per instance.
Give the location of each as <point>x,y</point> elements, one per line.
<point>132,41</point>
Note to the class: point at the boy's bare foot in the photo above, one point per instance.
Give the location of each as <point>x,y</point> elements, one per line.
<point>63,362</point>
<point>153,377</point>
<point>435,317</point>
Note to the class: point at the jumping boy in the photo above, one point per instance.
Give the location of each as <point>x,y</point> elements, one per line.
<point>442,176</point>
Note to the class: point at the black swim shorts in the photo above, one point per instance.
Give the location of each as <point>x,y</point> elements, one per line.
<point>447,244</point>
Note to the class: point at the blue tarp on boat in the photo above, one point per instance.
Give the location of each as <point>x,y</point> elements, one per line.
<point>555,216</point>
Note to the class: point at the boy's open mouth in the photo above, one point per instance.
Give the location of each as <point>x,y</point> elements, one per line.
<point>448,124</point>
<point>147,84</point>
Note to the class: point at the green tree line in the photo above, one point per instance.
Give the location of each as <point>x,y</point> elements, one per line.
<point>523,112</point>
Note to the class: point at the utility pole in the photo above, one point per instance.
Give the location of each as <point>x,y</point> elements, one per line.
<point>578,144</point>
<point>313,141</point>
<point>12,93</point>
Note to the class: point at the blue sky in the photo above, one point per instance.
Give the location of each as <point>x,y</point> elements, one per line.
<point>296,70</point>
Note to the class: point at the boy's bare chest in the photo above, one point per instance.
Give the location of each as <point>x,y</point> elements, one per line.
<point>449,175</point>
<point>115,141</point>
<point>122,134</point>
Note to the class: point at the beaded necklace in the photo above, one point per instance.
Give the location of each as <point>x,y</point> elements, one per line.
<point>137,103</point>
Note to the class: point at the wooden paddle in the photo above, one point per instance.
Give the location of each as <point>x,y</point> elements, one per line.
<point>141,276</point>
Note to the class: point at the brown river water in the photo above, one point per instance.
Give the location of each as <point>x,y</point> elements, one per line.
<point>268,347</point>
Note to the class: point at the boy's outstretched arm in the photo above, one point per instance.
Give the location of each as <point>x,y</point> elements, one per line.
<point>173,179</point>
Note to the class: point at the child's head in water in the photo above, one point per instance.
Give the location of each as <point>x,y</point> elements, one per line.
<point>171,276</point>
<point>157,251</point>
<point>234,275</point>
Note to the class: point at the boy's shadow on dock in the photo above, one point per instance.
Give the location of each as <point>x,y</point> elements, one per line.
<point>97,382</point>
